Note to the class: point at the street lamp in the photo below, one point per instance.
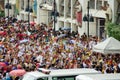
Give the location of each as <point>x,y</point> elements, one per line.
<point>89,18</point>
<point>54,14</point>
<point>8,6</point>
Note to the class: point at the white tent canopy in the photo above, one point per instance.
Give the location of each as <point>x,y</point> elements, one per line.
<point>109,46</point>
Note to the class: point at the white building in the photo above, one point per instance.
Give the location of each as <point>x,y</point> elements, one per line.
<point>70,21</point>
<point>67,13</point>
<point>67,10</point>
<point>12,10</point>
<point>22,7</point>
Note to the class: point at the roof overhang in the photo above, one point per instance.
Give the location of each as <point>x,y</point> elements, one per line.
<point>98,13</point>
<point>46,6</point>
<point>12,2</point>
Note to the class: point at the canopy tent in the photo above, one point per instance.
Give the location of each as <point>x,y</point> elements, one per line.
<point>109,46</point>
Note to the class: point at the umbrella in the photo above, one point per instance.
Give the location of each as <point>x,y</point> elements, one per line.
<point>62,35</point>
<point>2,64</point>
<point>32,23</point>
<point>2,33</point>
<point>24,41</point>
<point>17,72</point>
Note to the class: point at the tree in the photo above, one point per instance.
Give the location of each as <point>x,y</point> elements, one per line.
<point>113,30</point>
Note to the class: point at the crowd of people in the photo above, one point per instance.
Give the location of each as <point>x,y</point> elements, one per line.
<point>30,46</point>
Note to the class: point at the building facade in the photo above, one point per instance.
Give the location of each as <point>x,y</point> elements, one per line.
<point>11,10</point>
<point>19,9</point>
<point>71,13</point>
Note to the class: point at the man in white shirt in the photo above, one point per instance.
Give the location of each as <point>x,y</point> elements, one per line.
<point>39,58</point>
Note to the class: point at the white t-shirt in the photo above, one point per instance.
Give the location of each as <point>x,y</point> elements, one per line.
<point>39,58</point>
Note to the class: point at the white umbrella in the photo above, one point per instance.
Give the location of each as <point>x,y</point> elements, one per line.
<point>110,45</point>
<point>24,41</point>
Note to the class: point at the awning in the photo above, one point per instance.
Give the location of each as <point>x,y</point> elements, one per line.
<point>46,6</point>
<point>22,12</point>
<point>98,13</point>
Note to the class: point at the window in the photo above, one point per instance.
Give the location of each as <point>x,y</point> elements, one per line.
<point>69,9</point>
<point>96,4</point>
<point>105,2</point>
<point>22,5</point>
<point>92,4</point>
<point>102,22</point>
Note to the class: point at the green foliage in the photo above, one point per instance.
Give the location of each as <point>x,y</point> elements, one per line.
<point>2,14</point>
<point>113,30</point>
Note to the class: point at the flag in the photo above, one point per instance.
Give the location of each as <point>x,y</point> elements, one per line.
<point>79,18</point>
<point>17,6</point>
<point>35,7</point>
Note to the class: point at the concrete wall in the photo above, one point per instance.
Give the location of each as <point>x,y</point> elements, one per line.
<point>63,21</point>
<point>114,5</point>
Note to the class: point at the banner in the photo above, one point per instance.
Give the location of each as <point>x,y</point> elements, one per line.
<point>35,7</point>
<point>79,18</point>
<point>17,6</point>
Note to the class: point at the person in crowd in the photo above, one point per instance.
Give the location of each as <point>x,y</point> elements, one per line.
<point>23,47</point>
